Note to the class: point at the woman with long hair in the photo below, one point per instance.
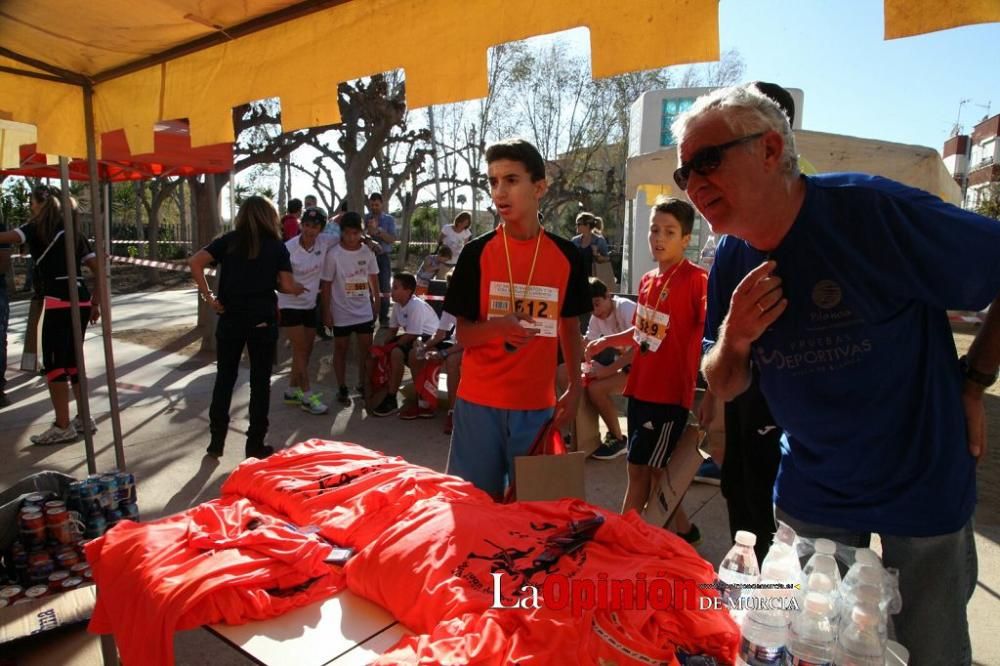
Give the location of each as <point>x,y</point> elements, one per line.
<point>253,263</point>
<point>45,236</point>
<point>455,236</point>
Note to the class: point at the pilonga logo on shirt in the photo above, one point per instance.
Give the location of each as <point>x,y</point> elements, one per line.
<point>826,294</point>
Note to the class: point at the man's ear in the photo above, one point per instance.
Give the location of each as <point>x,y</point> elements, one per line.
<point>541,187</point>
<point>774,148</point>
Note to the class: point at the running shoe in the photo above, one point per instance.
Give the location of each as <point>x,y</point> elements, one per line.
<point>692,536</point>
<point>78,425</point>
<point>387,407</point>
<point>294,396</point>
<point>56,435</point>
<point>610,449</point>
<point>709,473</point>
<point>417,412</point>
<point>313,404</point>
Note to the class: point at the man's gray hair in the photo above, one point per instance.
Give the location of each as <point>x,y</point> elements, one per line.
<point>745,110</point>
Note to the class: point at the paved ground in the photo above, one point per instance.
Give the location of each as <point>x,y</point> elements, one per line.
<point>164,398</point>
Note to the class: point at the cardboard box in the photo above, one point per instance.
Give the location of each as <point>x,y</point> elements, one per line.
<point>542,478</point>
<point>586,427</point>
<point>676,478</point>
<point>47,613</point>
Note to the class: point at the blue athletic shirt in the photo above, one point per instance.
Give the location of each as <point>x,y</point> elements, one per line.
<point>861,370</point>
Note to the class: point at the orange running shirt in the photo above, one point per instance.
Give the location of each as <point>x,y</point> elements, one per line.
<point>480,290</point>
<point>672,329</point>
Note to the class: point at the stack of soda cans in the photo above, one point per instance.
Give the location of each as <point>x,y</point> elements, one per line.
<point>48,557</point>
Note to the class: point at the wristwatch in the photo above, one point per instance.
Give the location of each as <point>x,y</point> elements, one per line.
<point>983,379</point>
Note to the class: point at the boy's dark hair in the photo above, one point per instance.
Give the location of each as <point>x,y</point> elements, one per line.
<point>311,196</point>
<point>597,288</point>
<point>407,280</point>
<point>518,150</point>
<point>375,196</point>
<point>314,216</point>
<point>779,96</point>
<point>295,206</point>
<point>343,206</point>
<point>444,251</point>
<point>351,220</point>
<point>682,211</point>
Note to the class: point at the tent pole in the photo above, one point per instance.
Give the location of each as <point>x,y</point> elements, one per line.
<point>102,277</point>
<point>69,241</point>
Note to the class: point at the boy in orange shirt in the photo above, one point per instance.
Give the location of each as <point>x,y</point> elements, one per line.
<point>669,324</point>
<point>517,293</point>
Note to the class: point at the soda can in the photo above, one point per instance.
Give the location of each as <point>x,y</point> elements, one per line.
<point>56,579</point>
<point>58,526</point>
<point>131,511</point>
<point>36,592</point>
<point>96,525</point>
<point>4,603</point>
<point>11,593</point>
<point>126,488</point>
<point>54,504</point>
<point>32,520</point>
<point>34,499</point>
<point>67,560</point>
<point>79,569</point>
<point>109,491</point>
<point>90,498</point>
<point>71,583</point>
<point>113,516</point>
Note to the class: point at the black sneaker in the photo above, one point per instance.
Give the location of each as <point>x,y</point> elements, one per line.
<point>709,473</point>
<point>215,449</point>
<point>610,449</point>
<point>260,452</point>
<point>4,400</point>
<point>387,407</point>
<point>692,536</point>
<point>342,396</point>
<point>360,389</point>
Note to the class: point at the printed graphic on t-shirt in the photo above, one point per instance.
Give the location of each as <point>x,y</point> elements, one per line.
<point>540,303</point>
<point>650,327</point>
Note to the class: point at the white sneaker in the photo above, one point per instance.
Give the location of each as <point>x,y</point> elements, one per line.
<point>313,405</point>
<point>78,425</point>
<point>56,435</point>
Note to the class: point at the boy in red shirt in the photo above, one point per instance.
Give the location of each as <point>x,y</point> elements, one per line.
<point>517,293</point>
<point>669,323</point>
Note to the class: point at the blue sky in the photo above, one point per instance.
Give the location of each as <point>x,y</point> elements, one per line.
<point>905,90</point>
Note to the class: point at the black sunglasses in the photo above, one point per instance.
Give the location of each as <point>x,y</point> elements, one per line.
<point>707,160</point>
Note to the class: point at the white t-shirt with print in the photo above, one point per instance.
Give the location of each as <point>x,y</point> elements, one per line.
<point>417,317</point>
<point>621,318</point>
<point>307,269</point>
<point>350,295</point>
<point>448,323</point>
<point>455,240</point>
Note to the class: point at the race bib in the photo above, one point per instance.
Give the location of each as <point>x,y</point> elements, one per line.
<point>650,327</point>
<point>539,303</point>
<point>356,287</point>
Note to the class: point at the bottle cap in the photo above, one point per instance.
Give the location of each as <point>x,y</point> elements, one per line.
<point>825,546</point>
<point>867,556</point>
<point>745,538</point>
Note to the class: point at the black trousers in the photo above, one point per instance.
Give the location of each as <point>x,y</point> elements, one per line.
<point>750,466</point>
<point>234,333</point>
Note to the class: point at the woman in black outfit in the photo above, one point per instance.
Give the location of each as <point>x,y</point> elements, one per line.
<point>45,236</point>
<point>254,262</point>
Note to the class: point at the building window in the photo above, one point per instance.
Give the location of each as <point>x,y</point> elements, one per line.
<point>672,107</point>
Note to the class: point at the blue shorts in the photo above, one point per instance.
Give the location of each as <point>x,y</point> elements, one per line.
<point>485,441</point>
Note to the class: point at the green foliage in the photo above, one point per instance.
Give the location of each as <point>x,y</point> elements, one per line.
<point>989,206</point>
<point>14,202</point>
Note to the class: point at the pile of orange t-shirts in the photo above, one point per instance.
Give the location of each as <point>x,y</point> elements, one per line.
<point>428,547</point>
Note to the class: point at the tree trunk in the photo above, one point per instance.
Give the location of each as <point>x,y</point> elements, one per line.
<point>207,226</point>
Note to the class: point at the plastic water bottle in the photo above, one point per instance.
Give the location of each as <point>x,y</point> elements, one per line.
<point>764,631</point>
<point>782,556</point>
<point>419,349</point>
<point>811,637</point>
<point>863,557</point>
<point>823,562</point>
<point>860,642</point>
<point>707,256</point>
<point>738,569</point>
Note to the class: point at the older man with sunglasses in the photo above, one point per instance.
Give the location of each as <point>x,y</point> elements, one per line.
<point>836,288</point>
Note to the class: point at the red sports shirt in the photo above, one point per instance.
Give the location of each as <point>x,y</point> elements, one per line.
<point>672,328</point>
<point>480,290</point>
